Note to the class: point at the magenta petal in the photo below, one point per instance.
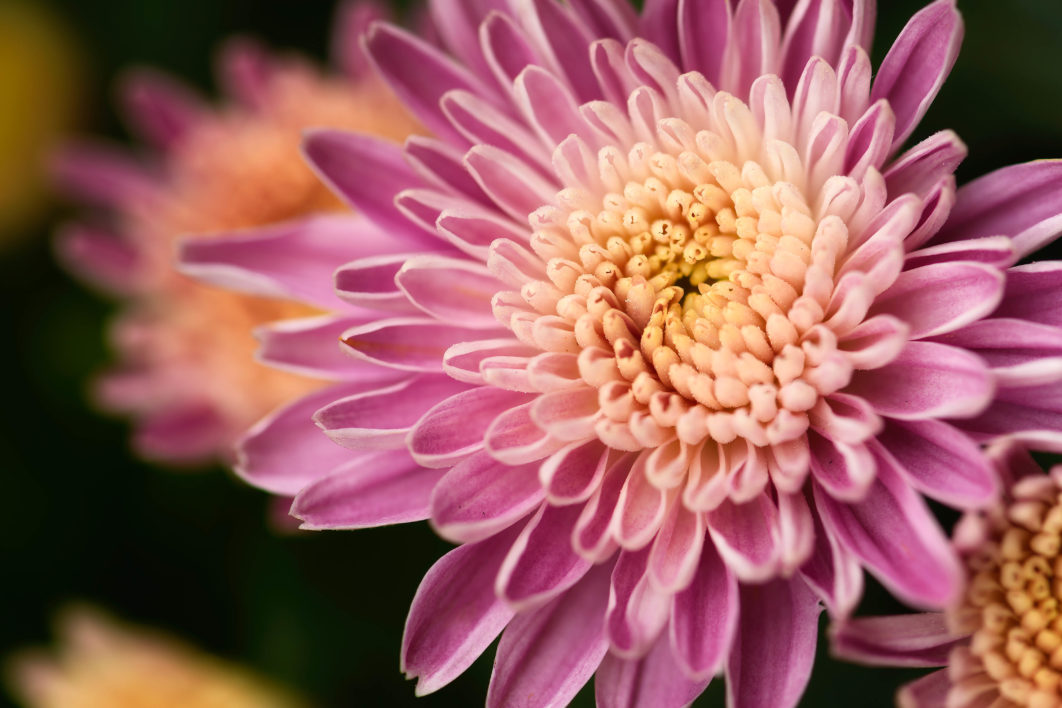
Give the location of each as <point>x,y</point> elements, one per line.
<point>188,434</point>
<point>1036,407</point>
<point>940,462</point>
<point>546,655</point>
<point>677,549</point>
<point>480,496</point>
<point>845,471</point>
<point>102,259</point>
<point>376,489</point>
<point>912,640</point>
<point>607,18</point>
<point>770,662</point>
<point>293,260</point>
<point>450,289</point>
<point>703,26</point>
<point>370,283</point>
<point>942,297</point>
<point>930,691</point>
<point>925,164</point>
<point>572,473</point>
<point>704,617</point>
<point>917,64</point>
<point>408,344</point>
<point>833,572</point>
<point>508,181</point>
<point>457,22</point>
<point>636,612</point>
<point>419,74</point>
<point>541,563</point>
<point>101,174</point>
<point>310,346</point>
<point>368,173</point>
<point>567,40</point>
<point>1019,352</point>
<point>1023,202</point>
<point>159,107</point>
<point>285,451</point>
<point>455,614</point>
<point>927,380</point>
<point>454,429</point>
<point>382,417</point>
<point>655,681</point>
<point>1034,292</point>
<point>894,534</point>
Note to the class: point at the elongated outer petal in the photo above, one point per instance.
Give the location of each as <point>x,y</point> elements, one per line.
<point>368,173</point>
<point>453,429</point>
<point>703,26</point>
<point>310,346</point>
<point>704,617</point>
<point>1023,202</point>
<point>450,289</point>
<point>655,681</point>
<point>546,655</point>
<point>930,691</point>
<point>927,380</point>
<point>914,640</point>
<point>917,64</point>
<point>833,572</point>
<point>541,563</point>
<point>770,662</point>
<point>285,451</point>
<point>480,496</point>
<point>455,614</point>
<point>293,260</point>
<point>104,260</point>
<point>940,461</point>
<point>419,74</point>
<point>894,534</point>
<point>379,488</point>
<point>160,108</point>
<point>408,343</point>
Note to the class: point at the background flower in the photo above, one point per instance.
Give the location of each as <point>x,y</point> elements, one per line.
<point>686,344</point>
<point>999,643</point>
<point>187,369</point>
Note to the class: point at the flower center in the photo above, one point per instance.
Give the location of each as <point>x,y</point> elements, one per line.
<point>1012,601</point>
<point>705,277</point>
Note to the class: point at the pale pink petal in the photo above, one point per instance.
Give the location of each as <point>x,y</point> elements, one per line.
<point>746,536</point>
<point>370,283</point>
<point>375,489</point>
<point>450,289</point>
<point>677,549</point>
<point>410,343</point>
<point>546,655</point>
<point>567,39</point>
<point>310,346</point>
<point>833,572</point>
<point>925,164</point>
<point>774,649</point>
<point>637,613</point>
<point>930,691</point>
<point>480,496</point>
<point>1020,353</point>
<point>1033,293</point>
<point>455,614</point>
<point>453,429</point>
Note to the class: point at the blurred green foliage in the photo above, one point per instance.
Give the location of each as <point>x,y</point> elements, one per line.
<point>192,552</point>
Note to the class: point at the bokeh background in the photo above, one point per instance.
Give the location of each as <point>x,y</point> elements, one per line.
<point>192,552</point>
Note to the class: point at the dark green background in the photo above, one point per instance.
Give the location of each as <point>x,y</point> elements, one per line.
<point>191,552</point>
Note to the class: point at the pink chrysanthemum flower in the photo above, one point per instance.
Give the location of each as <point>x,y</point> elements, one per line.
<point>186,370</point>
<point>665,333</point>
<point>1001,643</point>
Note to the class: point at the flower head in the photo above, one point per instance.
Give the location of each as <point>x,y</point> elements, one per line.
<point>673,338</point>
<point>1002,640</point>
<point>186,350</point>
<point>103,664</point>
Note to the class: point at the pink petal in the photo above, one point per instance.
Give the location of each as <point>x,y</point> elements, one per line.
<point>704,617</point>
<point>450,289</point>
<point>917,64</point>
<point>1019,352</point>
<point>310,346</point>
<point>419,74</point>
<point>845,471</point>
<point>926,380</point>
<point>368,173</point>
<point>1033,293</point>
<point>640,508</point>
<point>896,537</point>
<point>930,691</point>
<point>677,549</point>
<point>752,46</point>
<point>481,123</point>
<point>370,283</point>
<point>182,434</point>
<point>442,165</point>
<point>925,164</point>
<point>940,462</point>
<point>746,536</point>
<point>383,416</point>
<point>567,39</point>
<point>546,655</point>
<point>457,22</point>
<point>1020,201</point>
<point>815,29</point>
<point>607,18</point>
<point>1036,407</point>
<point>285,451</point>
<point>353,18</point>
<point>376,489</point>
<point>506,47</point>
<point>480,496</point>
<point>770,662</point>
<point>454,429</point>
<point>293,260</point>
<point>410,344</point>
<point>455,614</point>
<point>541,563</point>
<point>101,174</point>
<point>703,30</point>
<point>508,181</point>
<point>572,473</point>
<point>913,640</point>
<point>833,572</point>
<point>102,259</point>
<point>591,537</point>
<point>655,681</point>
